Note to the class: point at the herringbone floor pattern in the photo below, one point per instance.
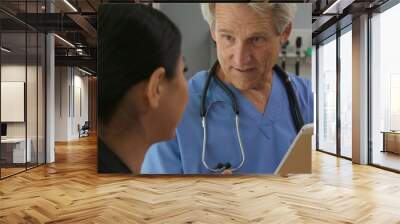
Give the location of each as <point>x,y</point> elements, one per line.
<point>70,191</point>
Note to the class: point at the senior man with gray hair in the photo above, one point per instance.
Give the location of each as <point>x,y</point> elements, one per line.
<point>244,83</point>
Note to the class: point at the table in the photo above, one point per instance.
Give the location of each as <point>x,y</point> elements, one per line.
<point>13,150</point>
<point>391,141</point>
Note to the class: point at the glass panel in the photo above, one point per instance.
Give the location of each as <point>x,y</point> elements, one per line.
<point>385,86</point>
<point>31,97</point>
<point>346,93</point>
<point>13,87</point>
<point>31,88</point>
<point>314,81</point>
<point>41,98</point>
<point>23,82</point>
<point>327,97</point>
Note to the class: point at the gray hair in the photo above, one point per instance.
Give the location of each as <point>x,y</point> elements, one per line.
<point>283,13</point>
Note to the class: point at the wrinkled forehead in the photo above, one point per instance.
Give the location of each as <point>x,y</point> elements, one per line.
<point>241,17</point>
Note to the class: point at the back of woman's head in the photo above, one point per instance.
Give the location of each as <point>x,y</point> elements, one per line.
<point>133,41</point>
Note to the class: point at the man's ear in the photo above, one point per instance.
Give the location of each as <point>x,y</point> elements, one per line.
<point>286,33</point>
<point>212,31</point>
<point>155,87</point>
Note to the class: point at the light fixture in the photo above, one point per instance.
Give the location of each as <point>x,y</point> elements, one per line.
<point>65,41</point>
<point>70,5</point>
<point>5,50</point>
<point>80,51</point>
<point>84,71</point>
<point>337,7</point>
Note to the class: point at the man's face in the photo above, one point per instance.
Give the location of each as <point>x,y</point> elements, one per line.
<point>248,44</point>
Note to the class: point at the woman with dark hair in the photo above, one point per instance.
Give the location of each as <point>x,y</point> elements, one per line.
<point>142,91</point>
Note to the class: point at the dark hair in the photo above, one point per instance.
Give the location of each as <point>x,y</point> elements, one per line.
<point>133,41</point>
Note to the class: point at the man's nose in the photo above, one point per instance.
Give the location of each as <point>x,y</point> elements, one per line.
<point>241,54</point>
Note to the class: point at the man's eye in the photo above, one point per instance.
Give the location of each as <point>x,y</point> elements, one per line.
<point>257,40</point>
<point>227,37</point>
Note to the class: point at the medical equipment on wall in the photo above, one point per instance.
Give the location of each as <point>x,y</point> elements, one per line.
<point>298,47</point>
<point>284,55</point>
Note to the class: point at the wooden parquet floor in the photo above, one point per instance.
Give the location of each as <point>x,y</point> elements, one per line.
<point>70,191</point>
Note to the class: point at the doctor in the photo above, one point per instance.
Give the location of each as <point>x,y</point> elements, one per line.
<point>243,113</point>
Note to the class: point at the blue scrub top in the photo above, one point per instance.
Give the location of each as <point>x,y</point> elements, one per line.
<point>265,136</point>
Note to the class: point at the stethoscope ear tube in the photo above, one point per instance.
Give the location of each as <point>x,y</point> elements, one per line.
<point>205,90</point>
<point>293,101</point>
<point>229,93</point>
<point>212,74</point>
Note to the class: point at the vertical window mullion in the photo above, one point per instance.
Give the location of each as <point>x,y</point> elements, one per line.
<point>338,73</point>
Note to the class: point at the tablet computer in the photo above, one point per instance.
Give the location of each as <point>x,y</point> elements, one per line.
<point>298,157</point>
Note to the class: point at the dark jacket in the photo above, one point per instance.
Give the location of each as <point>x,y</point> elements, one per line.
<point>108,161</point>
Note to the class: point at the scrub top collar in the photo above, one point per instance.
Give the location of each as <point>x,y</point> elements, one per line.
<point>272,109</point>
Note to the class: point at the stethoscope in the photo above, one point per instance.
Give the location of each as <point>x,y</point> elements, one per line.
<point>295,110</point>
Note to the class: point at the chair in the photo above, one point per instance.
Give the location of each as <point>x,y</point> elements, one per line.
<point>84,130</point>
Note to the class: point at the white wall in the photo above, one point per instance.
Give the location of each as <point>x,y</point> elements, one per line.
<point>80,100</point>
<point>196,40</point>
<point>71,93</point>
<point>61,103</point>
<point>9,73</point>
<point>16,73</point>
<point>33,126</point>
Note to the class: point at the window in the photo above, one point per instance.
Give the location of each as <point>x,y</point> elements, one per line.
<point>346,93</point>
<point>327,96</point>
<point>22,65</point>
<point>385,88</point>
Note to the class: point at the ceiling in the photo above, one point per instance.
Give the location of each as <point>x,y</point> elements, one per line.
<point>75,21</point>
